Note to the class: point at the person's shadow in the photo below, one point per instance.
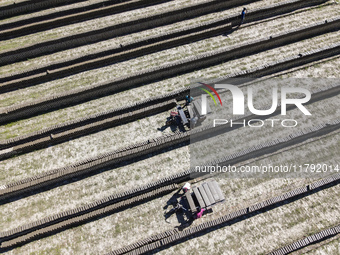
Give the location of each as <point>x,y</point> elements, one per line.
<point>229,32</point>
<point>185,219</point>
<point>183,215</point>
<point>173,199</point>
<point>233,29</point>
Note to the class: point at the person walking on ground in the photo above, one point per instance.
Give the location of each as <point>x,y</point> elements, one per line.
<point>243,15</point>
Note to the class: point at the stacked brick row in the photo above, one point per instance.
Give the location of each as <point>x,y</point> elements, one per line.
<point>70,16</point>
<point>91,165</point>
<point>179,67</point>
<point>145,46</point>
<point>147,241</point>
<point>86,125</point>
<point>284,64</point>
<point>44,136</point>
<point>119,30</point>
<point>53,136</point>
<point>25,7</point>
<point>157,242</point>
<point>150,146</point>
<point>276,144</point>
<point>312,239</point>
<point>28,232</point>
<point>113,56</point>
<point>150,102</point>
<point>82,214</point>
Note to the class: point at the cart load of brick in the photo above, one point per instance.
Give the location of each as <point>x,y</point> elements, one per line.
<point>206,195</point>
<point>195,108</point>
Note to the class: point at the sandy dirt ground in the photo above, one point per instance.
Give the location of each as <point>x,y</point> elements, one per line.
<point>261,233</point>
<point>123,98</point>
<point>120,179</point>
<point>85,147</point>
<point>134,174</point>
<point>329,68</point>
<point>114,138</point>
<point>267,231</point>
<point>108,44</point>
<point>246,34</point>
<point>94,24</point>
<point>83,3</point>
<point>113,20</point>
<point>127,226</point>
<point>154,89</point>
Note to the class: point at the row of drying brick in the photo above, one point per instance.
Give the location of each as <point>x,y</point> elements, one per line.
<point>150,102</point>
<point>138,150</point>
<point>47,133</point>
<point>312,239</point>
<point>159,73</point>
<point>25,7</point>
<point>178,178</point>
<point>118,30</point>
<point>52,138</point>
<point>145,46</point>
<point>273,145</point>
<point>92,165</point>
<point>80,215</point>
<point>70,16</point>
<point>165,239</point>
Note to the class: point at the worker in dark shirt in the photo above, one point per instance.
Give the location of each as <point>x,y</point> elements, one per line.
<point>188,100</point>
<point>243,15</point>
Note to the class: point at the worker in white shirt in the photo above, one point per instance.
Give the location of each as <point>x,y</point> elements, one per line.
<point>186,187</point>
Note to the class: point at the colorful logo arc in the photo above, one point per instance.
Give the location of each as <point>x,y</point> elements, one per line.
<point>209,93</point>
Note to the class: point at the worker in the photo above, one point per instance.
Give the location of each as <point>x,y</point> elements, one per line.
<point>188,100</point>
<point>186,187</point>
<point>200,213</point>
<point>243,15</point>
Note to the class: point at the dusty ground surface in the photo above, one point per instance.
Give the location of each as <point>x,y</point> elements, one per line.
<point>123,98</point>
<point>116,19</point>
<point>113,181</point>
<point>328,246</point>
<point>111,139</point>
<point>154,89</point>
<point>246,34</point>
<point>85,147</point>
<point>94,24</point>
<point>127,225</point>
<point>119,99</point>
<point>262,233</point>
<point>267,231</point>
